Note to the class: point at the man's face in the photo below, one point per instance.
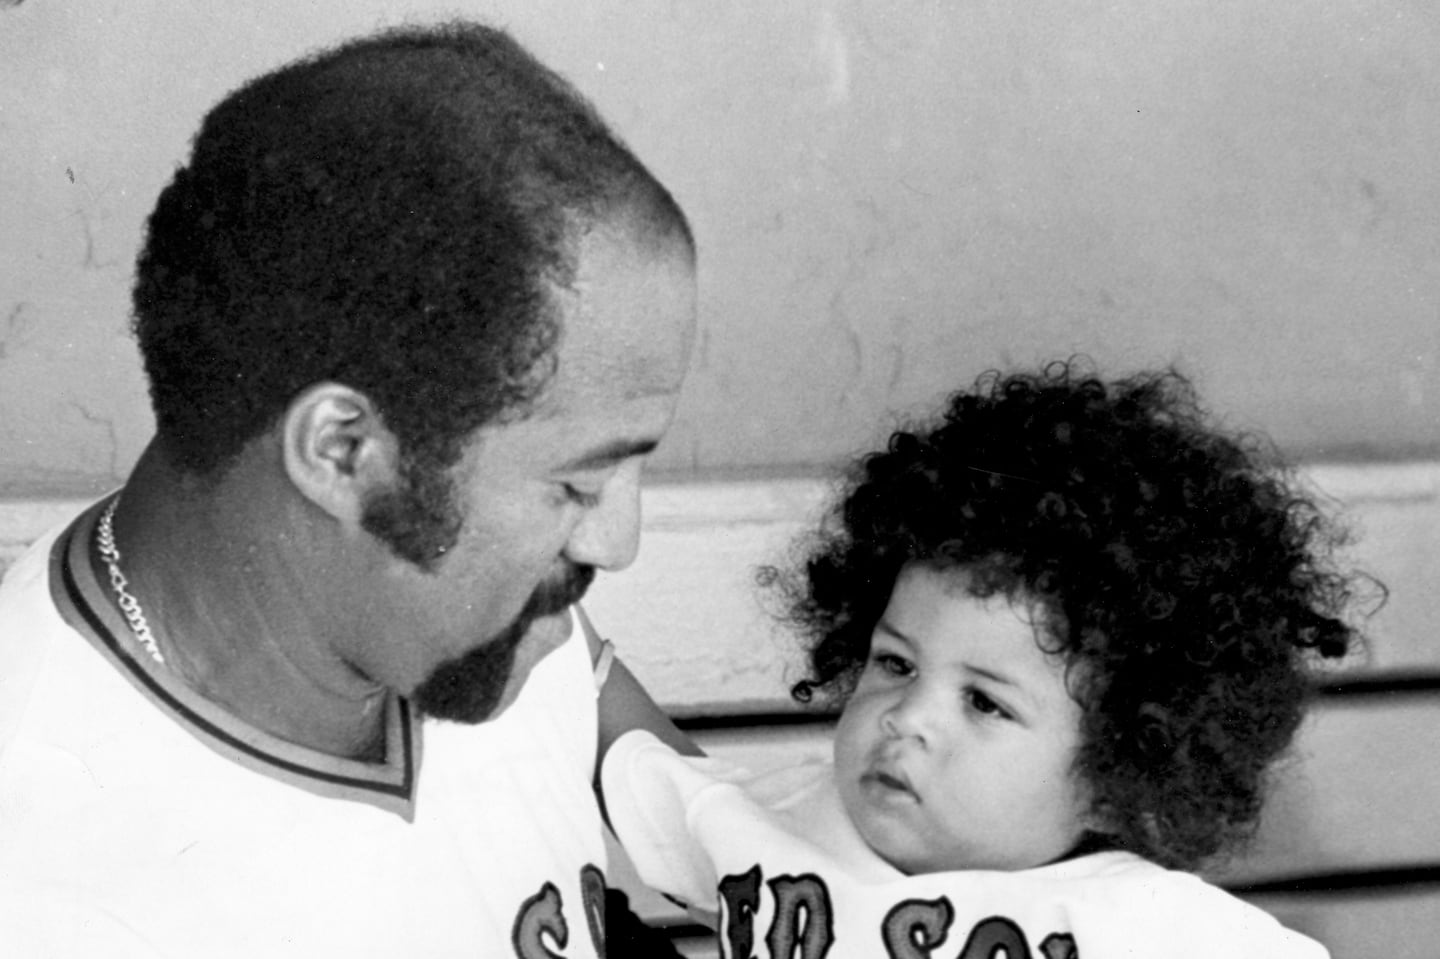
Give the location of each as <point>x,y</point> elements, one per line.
<point>546,500</point>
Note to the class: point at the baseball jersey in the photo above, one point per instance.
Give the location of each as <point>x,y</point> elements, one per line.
<point>139,819</point>
<point>782,872</point>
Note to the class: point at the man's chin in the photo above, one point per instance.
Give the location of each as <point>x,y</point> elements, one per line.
<point>544,636</point>
<point>479,686</point>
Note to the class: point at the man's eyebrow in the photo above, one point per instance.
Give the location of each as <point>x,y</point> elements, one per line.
<point>607,455</point>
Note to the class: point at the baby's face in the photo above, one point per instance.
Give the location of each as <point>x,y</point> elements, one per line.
<point>955,750</point>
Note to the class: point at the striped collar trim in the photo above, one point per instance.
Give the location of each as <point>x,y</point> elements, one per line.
<point>84,601</point>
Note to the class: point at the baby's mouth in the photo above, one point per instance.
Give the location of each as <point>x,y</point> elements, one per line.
<point>889,784</point>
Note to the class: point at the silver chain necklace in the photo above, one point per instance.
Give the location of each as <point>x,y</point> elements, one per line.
<point>129,605</point>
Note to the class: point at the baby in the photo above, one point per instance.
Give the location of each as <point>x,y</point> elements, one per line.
<point>1069,625</point>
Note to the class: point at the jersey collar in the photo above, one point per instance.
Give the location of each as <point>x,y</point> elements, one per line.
<point>84,601</point>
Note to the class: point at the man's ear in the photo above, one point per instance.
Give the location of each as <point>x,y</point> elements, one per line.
<point>336,449</point>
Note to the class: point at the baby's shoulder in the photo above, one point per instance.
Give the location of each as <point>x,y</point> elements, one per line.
<point>1172,912</point>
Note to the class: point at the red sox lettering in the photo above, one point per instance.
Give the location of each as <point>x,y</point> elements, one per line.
<point>541,919</point>
<point>803,925</point>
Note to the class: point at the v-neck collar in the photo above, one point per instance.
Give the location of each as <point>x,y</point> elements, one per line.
<point>84,601</point>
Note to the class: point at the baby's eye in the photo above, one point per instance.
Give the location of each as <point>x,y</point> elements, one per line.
<point>892,664</point>
<point>983,704</point>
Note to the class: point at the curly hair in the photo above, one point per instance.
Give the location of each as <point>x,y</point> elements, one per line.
<point>1184,580</point>
<point>392,214</point>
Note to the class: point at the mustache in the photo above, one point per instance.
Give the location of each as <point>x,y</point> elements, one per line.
<point>557,594</point>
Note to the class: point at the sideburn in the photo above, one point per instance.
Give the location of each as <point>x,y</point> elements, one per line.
<point>416,518</point>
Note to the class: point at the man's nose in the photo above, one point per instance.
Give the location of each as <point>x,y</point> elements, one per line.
<point>608,535</point>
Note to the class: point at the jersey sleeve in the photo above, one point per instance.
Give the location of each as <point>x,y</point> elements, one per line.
<point>651,795</point>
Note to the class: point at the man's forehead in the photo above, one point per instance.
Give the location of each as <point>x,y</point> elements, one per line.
<point>630,372</point>
<point>627,319</point>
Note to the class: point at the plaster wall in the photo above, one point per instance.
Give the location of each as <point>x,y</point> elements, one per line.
<point>889,199</point>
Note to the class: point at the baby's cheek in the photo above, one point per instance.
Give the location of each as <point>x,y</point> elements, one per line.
<point>851,740</point>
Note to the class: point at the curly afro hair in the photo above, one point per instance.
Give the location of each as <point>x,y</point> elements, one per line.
<point>1185,582</point>
<point>392,214</point>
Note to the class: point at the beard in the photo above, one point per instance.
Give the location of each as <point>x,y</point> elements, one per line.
<point>469,688</point>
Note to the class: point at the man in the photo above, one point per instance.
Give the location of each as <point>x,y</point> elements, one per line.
<point>412,318</point>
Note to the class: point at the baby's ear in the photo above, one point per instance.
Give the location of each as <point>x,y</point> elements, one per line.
<point>1099,822</point>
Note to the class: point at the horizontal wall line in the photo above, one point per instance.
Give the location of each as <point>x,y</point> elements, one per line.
<point>1385,686</point>
<point>1380,684</point>
<point>1347,881</point>
<point>741,720</point>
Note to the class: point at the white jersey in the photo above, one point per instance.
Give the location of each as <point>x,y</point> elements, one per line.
<point>139,819</point>
<point>785,874</point>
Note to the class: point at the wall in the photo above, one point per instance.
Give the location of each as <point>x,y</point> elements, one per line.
<point>889,199</point>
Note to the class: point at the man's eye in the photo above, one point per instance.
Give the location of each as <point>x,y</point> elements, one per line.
<point>581,497</point>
